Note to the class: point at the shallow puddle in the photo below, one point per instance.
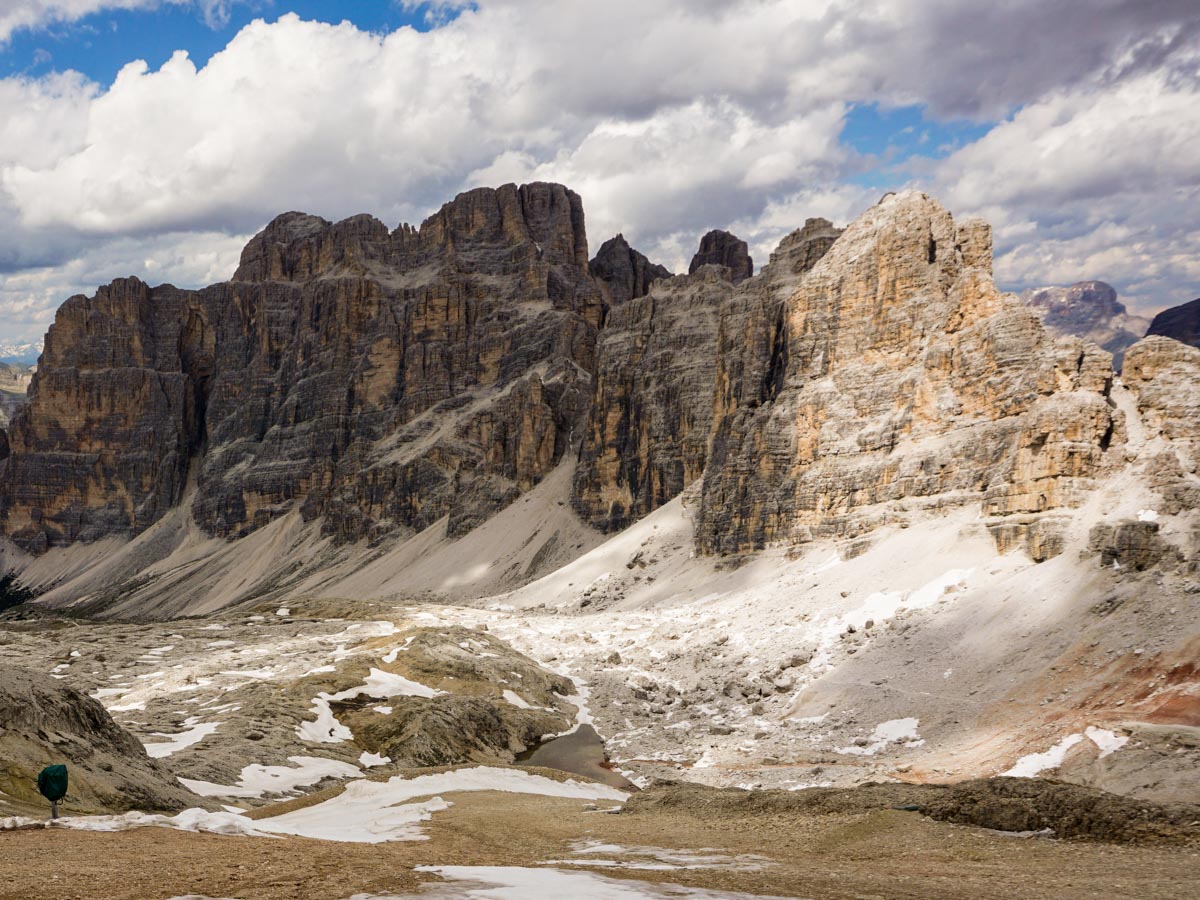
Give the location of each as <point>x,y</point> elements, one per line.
<point>581,753</point>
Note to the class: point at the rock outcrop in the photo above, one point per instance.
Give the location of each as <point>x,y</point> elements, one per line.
<point>898,377</point>
<point>652,403</point>
<point>624,274</point>
<point>1179,322</point>
<point>42,721</point>
<point>720,248</point>
<point>651,411</point>
<point>1164,376</point>
<point>1090,310</point>
<point>378,381</point>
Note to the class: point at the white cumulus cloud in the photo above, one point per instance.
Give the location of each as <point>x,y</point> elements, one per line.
<point>669,117</point>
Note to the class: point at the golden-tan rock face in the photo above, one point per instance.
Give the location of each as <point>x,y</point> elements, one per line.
<point>899,376</point>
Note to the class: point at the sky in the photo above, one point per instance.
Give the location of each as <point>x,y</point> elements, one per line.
<point>155,137</point>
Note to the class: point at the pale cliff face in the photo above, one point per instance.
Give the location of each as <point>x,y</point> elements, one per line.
<point>900,375</point>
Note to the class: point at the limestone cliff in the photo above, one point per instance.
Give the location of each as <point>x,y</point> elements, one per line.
<point>652,402</point>
<point>378,380</point>
<point>651,411</point>
<point>899,376</point>
<point>624,274</point>
<point>1164,375</point>
<point>720,248</point>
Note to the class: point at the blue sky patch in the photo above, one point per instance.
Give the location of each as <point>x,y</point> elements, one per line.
<point>888,138</point>
<point>99,45</point>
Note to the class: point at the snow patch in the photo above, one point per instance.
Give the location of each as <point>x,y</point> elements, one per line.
<point>257,780</point>
<point>326,729</point>
<point>188,820</point>
<point>890,732</point>
<point>194,732</point>
<point>373,812</point>
<point>518,883</point>
<point>1107,741</point>
<point>1036,763</point>
<point>512,697</point>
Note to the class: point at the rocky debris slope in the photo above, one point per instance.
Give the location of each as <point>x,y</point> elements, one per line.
<point>624,274</point>
<point>262,702</point>
<point>1179,322</point>
<point>720,248</point>
<point>377,380</point>
<point>45,722</point>
<point>901,376</point>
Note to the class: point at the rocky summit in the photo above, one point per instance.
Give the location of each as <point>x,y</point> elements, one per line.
<point>376,380</point>
<point>1090,310</point>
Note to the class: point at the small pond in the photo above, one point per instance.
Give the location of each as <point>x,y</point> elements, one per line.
<point>581,753</point>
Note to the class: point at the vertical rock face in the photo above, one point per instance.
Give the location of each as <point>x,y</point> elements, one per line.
<point>623,273</point>
<point>898,376</point>
<point>651,409</point>
<point>652,403</point>
<point>1164,375</point>
<point>378,380</point>
<point>1179,322</point>
<point>720,248</point>
<point>1090,310</point>
<point>103,445</point>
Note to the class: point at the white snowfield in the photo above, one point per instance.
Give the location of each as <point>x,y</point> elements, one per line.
<point>257,781</point>
<point>372,812</point>
<point>518,883</point>
<point>366,812</point>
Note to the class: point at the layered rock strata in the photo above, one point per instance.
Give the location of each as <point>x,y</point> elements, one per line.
<point>624,274</point>
<point>652,403</point>
<point>378,380</point>
<point>720,248</point>
<point>1164,376</point>
<point>899,376</point>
